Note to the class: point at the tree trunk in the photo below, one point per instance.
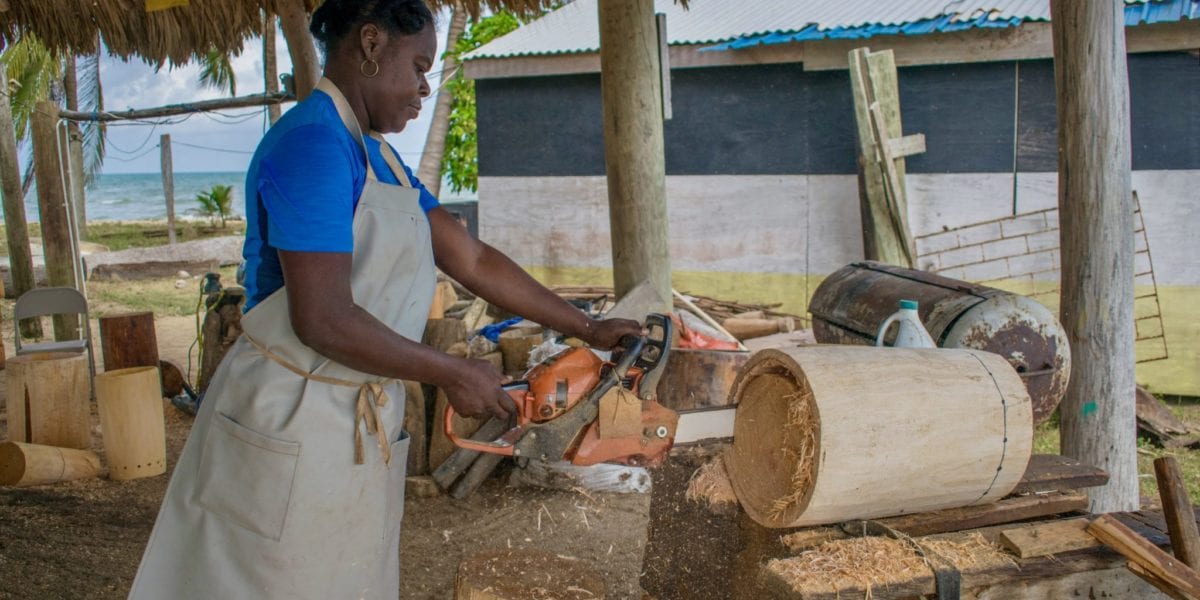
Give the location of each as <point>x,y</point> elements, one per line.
<point>1096,220</point>
<point>75,148</point>
<point>631,89</point>
<point>270,71</point>
<point>128,340</point>
<point>20,257</point>
<point>306,68</point>
<point>435,143</point>
<point>52,208</point>
<point>168,179</point>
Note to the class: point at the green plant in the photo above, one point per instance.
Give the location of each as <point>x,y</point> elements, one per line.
<point>216,203</point>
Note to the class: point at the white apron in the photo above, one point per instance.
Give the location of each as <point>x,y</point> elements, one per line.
<point>284,489</point>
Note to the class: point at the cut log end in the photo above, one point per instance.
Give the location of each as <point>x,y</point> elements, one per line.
<point>526,575</point>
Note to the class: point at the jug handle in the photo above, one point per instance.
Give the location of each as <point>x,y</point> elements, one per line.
<point>883,329</point>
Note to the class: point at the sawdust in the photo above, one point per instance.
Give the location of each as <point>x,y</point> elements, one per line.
<point>528,575</point>
<point>710,484</point>
<point>801,447</point>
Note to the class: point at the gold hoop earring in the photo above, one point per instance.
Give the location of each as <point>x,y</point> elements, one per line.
<point>363,68</point>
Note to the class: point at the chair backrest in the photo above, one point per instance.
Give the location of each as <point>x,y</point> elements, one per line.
<point>49,301</point>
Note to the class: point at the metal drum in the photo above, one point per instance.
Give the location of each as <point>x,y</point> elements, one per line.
<point>850,304</point>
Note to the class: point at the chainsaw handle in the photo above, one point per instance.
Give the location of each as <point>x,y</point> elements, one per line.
<point>634,350</point>
<point>516,390</point>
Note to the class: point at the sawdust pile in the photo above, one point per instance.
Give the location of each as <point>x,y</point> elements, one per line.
<point>872,563</point>
<point>710,484</point>
<point>801,448</point>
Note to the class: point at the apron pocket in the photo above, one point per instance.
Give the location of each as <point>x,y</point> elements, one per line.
<point>397,471</point>
<point>246,477</point>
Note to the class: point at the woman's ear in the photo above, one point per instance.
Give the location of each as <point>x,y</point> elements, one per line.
<point>372,39</point>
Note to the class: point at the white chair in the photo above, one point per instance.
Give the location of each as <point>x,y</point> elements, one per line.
<point>41,302</point>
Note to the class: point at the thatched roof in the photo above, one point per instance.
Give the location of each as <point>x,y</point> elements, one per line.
<point>174,34</point>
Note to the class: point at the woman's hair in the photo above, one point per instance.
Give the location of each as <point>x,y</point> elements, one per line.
<point>335,19</point>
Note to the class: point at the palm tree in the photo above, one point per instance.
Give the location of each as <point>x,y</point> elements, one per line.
<point>216,202</point>
<point>216,71</point>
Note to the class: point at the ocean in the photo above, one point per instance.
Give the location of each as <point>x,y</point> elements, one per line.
<point>139,196</point>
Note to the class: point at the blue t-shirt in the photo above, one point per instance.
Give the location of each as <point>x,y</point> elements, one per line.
<point>302,188</point>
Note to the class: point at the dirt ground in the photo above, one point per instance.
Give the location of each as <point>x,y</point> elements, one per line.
<point>84,539</point>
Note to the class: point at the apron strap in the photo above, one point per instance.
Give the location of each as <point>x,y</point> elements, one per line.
<point>393,161</point>
<point>348,119</point>
<point>371,397</point>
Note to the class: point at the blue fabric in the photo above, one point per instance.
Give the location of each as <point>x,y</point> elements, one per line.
<point>302,188</point>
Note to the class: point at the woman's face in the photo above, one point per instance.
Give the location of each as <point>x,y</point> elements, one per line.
<point>393,96</point>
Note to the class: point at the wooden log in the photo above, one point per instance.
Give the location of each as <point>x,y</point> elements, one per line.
<point>515,345</point>
<point>128,340</point>
<point>131,420</point>
<point>168,179</point>
<point>744,328</point>
<point>440,446</point>
<point>696,379</point>
<point>34,464</point>
<point>1095,208</point>
<point>460,459</point>
<point>417,427</point>
<point>442,334</point>
<point>47,399</point>
<point>57,243</point>
<point>1178,511</point>
<point>20,255</point>
<point>631,91</point>
<point>480,470</point>
<point>525,574</point>
<point>879,419</point>
<point>221,328</point>
<point>1162,566</point>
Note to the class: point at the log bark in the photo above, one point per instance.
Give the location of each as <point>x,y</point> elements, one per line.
<point>1095,219</point>
<point>306,68</point>
<point>523,574</point>
<point>834,433</point>
<point>20,256</point>
<point>429,172</point>
<point>695,379</point>
<point>128,340</point>
<point>52,209</point>
<point>47,399</point>
<point>131,419</point>
<point>35,464</point>
<point>631,89</point>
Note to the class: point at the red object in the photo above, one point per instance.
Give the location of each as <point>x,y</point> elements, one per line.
<point>690,338</point>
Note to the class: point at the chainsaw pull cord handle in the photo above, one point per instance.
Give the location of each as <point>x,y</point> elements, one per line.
<point>516,390</point>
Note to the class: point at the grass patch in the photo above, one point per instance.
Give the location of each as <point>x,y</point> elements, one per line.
<point>121,235</point>
<point>160,296</point>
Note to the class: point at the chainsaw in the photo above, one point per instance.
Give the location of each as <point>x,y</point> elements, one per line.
<point>559,406</point>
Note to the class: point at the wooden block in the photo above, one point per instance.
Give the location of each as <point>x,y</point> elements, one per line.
<point>620,414</point>
<point>1048,472</point>
<point>907,145</point>
<point>1164,568</point>
<point>442,334</point>
<point>1044,539</point>
<point>515,345</point>
<point>128,340</point>
<point>416,425</point>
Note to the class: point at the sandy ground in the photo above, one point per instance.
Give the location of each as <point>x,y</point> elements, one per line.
<point>84,539</point>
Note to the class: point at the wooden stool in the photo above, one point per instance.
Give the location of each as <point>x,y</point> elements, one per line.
<point>48,399</point>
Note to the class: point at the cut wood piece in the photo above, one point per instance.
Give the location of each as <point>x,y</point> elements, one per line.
<point>526,575</point>
<point>48,399</point>
<point>1044,539</point>
<point>958,421</point>
<point>1178,511</point>
<point>1047,472</point>
<point>444,297</point>
<point>907,145</point>
<point>515,345</point>
<point>34,464</point>
<point>744,329</point>
<point>440,446</point>
<point>1158,422</point>
<point>697,379</point>
<point>416,426</point>
<point>1156,581</point>
<point>476,315</point>
<point>1137,549</point>
<point>442,334</point>
<point>128,340</point>
<point>131,420</point>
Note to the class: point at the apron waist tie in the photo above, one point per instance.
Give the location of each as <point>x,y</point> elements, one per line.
<point>371,397</point>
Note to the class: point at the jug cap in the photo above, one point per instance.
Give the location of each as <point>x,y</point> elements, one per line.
<point>908,304</point>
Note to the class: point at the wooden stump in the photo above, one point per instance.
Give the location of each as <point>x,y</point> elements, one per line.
<point>48,399</point>
<point>131,419</point>
<point>128,341</point>
<point>222,326</point>
<point>34,464</point>
<point>526,575</point>
<point>696,379</point>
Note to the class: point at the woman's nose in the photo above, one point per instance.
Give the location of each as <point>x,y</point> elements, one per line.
<point>424,90</point>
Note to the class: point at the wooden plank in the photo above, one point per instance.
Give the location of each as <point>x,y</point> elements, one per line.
<point>1048,472</point>
<point>1045,539</point>
<point>907,145</point>
<point>1165,568</point>
<point>1178,511</point>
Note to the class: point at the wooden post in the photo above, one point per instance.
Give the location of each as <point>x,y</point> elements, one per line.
<point>631,88</point>
<point>168,179</point>
<point>20,257</point>
<point>1178,511</point>
<point>128,340</point>
<point>52,208</point>
<point>1096,220</point>
<point>75,148</point>
<point>430,170</point>
<point>270,68</point>
<point>47,399</point>
<point>306,69</point>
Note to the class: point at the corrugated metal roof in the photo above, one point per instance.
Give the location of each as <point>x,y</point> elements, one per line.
<point>737,24</point>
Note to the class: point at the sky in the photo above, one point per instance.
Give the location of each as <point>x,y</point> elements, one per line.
<point>222,141</point>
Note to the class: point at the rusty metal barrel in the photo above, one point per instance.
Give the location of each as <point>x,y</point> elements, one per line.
<point>850,304</point>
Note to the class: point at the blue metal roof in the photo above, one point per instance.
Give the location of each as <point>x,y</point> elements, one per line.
<point>1137,12</point>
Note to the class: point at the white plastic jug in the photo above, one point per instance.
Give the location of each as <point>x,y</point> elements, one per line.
<point>912,333</point>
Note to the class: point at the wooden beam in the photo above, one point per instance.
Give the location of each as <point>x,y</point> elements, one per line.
<point>1178,511</point>
<point>306,67</point>
<point>57,240</point>
<point>1162,566</point>
<point>633,145</point>
<point>179,109</point>
<point>1095,217</point>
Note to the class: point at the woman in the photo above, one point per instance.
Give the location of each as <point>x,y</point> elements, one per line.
<point>291,484</point>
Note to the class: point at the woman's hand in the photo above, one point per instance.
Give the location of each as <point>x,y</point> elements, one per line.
<point>607,333</point>
<point>475,391</point>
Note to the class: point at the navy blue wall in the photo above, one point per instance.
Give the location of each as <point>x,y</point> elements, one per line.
<point>779,119</point>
